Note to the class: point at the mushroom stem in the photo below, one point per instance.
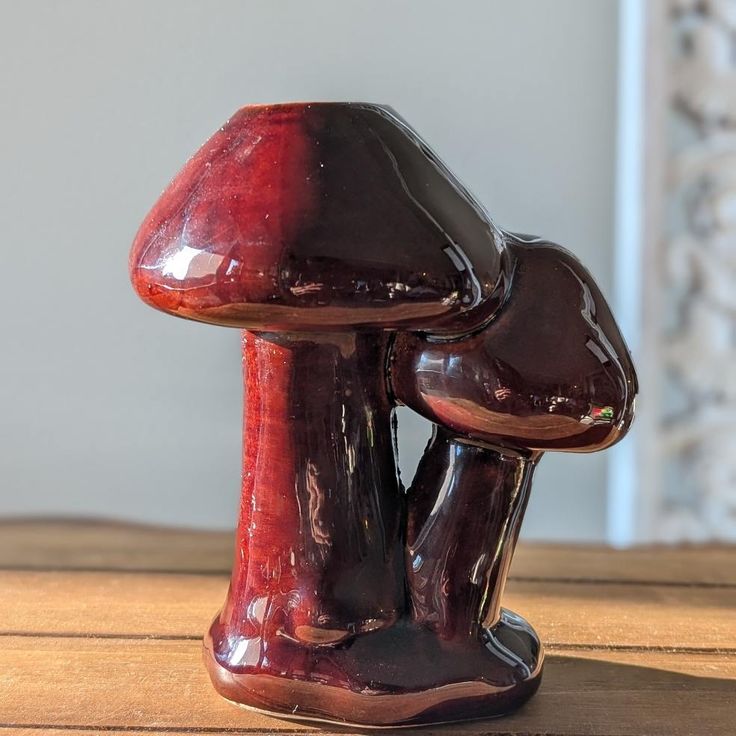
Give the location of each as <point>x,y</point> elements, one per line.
<point>318,553</point>
<point>466,505</point>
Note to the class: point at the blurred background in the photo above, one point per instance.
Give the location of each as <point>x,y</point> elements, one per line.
<point>608,127</point>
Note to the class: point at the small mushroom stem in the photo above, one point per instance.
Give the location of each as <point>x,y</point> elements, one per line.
<point>466,505</point>
<point>318,553</point>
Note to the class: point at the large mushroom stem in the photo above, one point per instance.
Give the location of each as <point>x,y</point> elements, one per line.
<point>318,548</point>
<point>466,507</point>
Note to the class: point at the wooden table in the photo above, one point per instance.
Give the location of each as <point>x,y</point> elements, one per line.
<point>100,628</point>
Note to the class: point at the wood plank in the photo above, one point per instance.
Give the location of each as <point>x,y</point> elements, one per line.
<point>627,615</point>
<point>6,730</point>
<point>607,673</point>
<point>115,603</point>
<point>687,565</point>
<point>109,603</point>
<point>149,685</point>
<point>39,544</point>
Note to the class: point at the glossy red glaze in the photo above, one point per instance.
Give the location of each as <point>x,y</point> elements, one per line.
<point>463,495</point>
<point>319,554</point>
<point>550,371</point>
<point>366,276</point>
<point>317,623</point>
<point>318,216</point>
<point>401,676</point>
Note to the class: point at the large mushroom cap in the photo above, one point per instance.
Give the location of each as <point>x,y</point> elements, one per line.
<point>319,216</point>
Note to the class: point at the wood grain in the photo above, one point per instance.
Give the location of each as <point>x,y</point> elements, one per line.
<point>87,650</point>
<point>155,684</point>
<point>103,545</point>
<point>595,614</point>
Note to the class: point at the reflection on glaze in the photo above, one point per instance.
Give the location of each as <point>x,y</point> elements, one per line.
<point>550,371</point>
<point>364,276</point>
<point>319,553</point>
<point>401,675</point>
<point>455,574</point>
<point>318,590</point>
<point>318,215</point>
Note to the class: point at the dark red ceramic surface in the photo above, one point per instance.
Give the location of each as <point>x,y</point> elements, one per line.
<point>319,544</point>
<point>463,495</point>
<point>364,276</point>
<point>319,216</point>
<point>549,372</point>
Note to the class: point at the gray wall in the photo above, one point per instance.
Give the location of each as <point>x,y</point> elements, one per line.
<point>111,409</point>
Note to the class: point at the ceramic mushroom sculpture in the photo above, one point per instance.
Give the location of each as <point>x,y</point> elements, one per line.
<point>356,266</point>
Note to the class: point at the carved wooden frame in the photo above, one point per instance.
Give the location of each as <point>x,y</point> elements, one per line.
<point>686,341</point>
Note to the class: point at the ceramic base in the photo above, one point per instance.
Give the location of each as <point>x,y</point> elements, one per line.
<point>401,676</point>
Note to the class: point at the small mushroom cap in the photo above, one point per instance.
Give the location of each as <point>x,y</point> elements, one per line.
<point>551,371</point>
<point>319,216</point>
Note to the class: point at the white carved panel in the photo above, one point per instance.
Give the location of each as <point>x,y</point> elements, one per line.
<point>696,331</point>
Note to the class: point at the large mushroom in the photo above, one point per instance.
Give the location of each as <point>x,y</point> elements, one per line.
<point>363,275</point>
<point>549,371</point>
<point>321,230</point>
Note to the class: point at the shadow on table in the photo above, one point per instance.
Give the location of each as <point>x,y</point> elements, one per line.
<point>597,697</point>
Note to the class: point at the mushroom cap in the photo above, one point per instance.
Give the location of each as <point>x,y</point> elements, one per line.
<point>551,371</point>
<point>319,216</point>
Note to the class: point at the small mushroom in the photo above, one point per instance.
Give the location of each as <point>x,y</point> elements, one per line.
<point>321,230</point>
<point>549,371</point>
